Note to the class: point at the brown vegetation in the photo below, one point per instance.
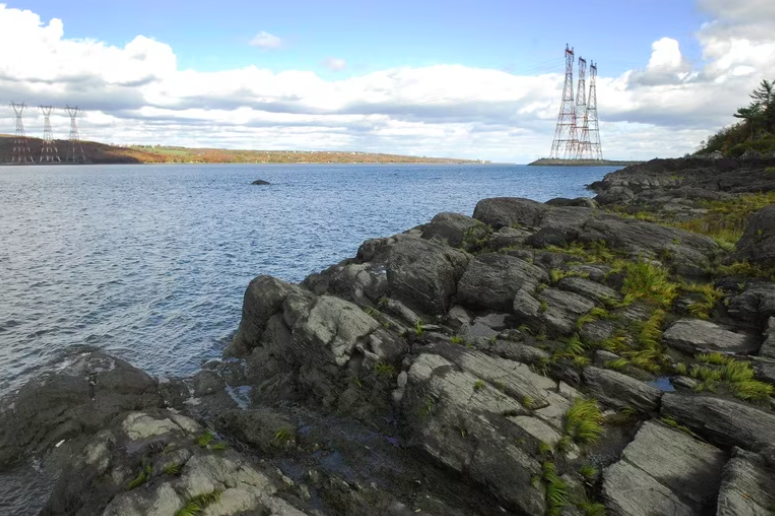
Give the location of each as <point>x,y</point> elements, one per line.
<point>102,153</point>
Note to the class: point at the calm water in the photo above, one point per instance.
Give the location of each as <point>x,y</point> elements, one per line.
<point>151,262</point>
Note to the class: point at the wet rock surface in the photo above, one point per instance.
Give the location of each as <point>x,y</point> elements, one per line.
<point>532,359</point>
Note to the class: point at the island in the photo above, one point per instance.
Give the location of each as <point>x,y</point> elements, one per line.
<point>551,162</point>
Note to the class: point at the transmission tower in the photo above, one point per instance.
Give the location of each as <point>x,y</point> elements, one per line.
<point>595,149</point>
<point>49,152</point>
<point>565,135</point>
<point>21,146</point>
<point>74,149</point>
<point>582,122</point>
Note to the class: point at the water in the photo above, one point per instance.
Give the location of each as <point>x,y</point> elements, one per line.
<point>151,262</point>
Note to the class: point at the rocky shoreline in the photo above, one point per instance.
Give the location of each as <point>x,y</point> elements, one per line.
<point>575,357</point>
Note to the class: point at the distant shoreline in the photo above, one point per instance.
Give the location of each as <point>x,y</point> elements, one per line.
<point>545,162</point>
<point>102,154</point>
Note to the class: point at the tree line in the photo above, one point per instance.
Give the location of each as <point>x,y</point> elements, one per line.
<point>755,130</point>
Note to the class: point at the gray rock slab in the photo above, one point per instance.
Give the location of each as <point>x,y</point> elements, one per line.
<point>508,237</point>
<point>630,491</point>
<point>695,335</point>
<point>563,309</point>
<point>756,304</point>
<point>757,245</point>
<point>492,281</point>
<point>424,275</point>
<point>747,487</point>
<point>619,390</point>
<point>494,321</point>
<point>588,288</point>
<point>479,330</point>
<point>768,348</point>
<point>506,211</point>
<point>721,421</point>
<point>333,328</point>
<point>450,228</point>
<point>690,468</point>
<point>263,298</point>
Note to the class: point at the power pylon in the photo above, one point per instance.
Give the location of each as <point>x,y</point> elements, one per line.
<point>582,121</point>
<point>595,148</point>
<point>21,146</point>
<point>565,135</point>
<point>74,149</point>
<point>49,152</point>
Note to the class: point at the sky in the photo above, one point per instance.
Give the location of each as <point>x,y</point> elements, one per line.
<point>471,79</point>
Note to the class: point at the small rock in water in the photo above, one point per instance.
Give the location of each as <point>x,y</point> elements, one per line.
<point>260,182</point>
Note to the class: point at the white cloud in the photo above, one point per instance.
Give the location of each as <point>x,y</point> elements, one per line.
<point>137,94</point>
<point>334,63</point>
<point>666,54</point>
<point>265,40</point>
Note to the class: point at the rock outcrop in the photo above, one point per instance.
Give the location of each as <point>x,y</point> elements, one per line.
<point>757,244</point>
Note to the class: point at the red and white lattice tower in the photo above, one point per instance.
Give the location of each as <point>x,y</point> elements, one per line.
<point>595,148</point>
<point>49,152</point>
<point>21,145</point>
<point>582,120</point>
<point>565,137</point>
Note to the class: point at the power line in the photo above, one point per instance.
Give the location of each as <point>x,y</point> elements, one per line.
<point>21,145</point>
<point>49,152</point>
<point>565,134</point>
<point>74,149</point>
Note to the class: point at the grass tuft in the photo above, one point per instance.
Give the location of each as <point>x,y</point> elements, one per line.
<point>384,369</point>
<point>205,439</point>
<point>584,421</point>
<point>617,365</point>
<point>588,471</point>
<point>580,362</point>
<point>282,436</point>
<point>172,469</point>
<point>545,448</point>
<point>736,376</point>
<point>556,490</point>
<point>196,505</point>
<point>714,358</point>
<point>674,424</point>
<point>711,296</point>
<point>141,478</point>
<point>592,508</point>
<point>649,282</point>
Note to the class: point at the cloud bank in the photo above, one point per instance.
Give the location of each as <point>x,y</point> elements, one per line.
<point>138,94</point>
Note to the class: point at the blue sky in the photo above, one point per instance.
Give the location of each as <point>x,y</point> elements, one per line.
<point>455,78</point>
<point>513,35</point>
